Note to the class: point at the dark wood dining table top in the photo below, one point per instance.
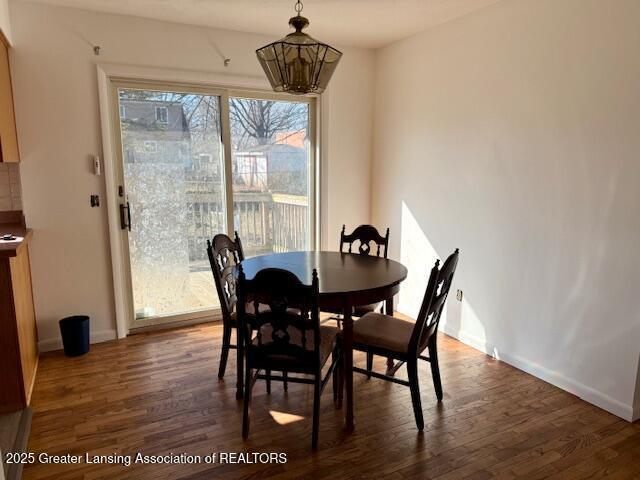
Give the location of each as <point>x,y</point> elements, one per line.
<point>339,273</point>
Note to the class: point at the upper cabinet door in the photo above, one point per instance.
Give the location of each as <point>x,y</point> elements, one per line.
<point>8,138</point>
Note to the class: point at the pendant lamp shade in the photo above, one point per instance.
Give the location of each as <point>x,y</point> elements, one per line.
<point>298,63</point>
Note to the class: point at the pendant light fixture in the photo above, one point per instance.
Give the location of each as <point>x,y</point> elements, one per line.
<point>298,63</point>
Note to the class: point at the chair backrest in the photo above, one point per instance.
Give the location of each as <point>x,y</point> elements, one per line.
<point>285,319</point>
<point>224,254</point>
<point>433,302</point>
<point>364,235</point>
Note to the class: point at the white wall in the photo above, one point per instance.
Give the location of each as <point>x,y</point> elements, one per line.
<point>513,133</point>
<point>59,127</point>
<point>5,24</point>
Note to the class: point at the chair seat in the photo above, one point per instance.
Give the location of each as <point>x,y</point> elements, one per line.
<point>382,331</point>
<point>250,309</point>
<point>328,339</point>
<point>362,310</point>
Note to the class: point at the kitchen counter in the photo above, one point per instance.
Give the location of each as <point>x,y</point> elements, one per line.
<point>13,223</point>
<point>18,331</point>
<point>9,248</point>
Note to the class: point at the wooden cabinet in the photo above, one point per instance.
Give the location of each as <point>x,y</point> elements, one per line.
<point>8,138</point>
<point>18,335</point>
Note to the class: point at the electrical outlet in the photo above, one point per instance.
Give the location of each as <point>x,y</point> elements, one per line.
<point>459,295</point>
<point>95,201</point>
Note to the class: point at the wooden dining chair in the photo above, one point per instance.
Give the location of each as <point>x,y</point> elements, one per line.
<point>367,241</point>
<point>286,336</point>
<point>224,254</point>
<point>364,235</point>
<point>404,341</point>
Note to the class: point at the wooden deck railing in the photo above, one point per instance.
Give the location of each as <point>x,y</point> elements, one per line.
<point>290,230</point>
<point>267,222</point>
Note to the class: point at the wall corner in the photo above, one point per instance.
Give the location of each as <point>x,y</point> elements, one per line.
<point>5,21</point>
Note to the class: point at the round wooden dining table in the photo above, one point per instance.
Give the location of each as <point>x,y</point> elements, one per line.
<point>346,280</point>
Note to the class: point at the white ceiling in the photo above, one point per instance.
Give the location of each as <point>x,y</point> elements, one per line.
<point>361,23</point>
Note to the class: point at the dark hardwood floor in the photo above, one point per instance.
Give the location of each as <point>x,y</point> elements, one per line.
<point>158,393</point>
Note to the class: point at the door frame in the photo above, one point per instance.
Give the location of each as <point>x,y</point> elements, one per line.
<point>108,76</point>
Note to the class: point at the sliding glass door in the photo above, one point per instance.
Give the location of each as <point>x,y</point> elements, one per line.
<point>172,169</point>
<point>194,162</point>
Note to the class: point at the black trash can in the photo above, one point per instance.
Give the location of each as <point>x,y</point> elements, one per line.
<point>75,335</point>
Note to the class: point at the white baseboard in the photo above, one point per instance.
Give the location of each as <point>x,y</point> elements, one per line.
<point>214,318</point>
<point>56,343</point>
<point>588,394</point>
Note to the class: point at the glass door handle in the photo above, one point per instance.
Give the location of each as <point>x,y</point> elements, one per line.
<point>125,218</point>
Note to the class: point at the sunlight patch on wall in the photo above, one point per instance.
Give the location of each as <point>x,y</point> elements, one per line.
<point>418,255</point>
<point>462,322</point>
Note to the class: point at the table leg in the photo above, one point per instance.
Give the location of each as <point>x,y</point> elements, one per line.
<point>240,363</point>
<point>389,311</point>
<point>347,332</point>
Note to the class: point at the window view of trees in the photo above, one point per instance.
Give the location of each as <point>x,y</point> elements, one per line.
<point>256,122</point>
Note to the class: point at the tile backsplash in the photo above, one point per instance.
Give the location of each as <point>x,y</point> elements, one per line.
<point>10,190</point>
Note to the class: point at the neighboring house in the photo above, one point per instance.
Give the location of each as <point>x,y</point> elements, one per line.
<point>278,168</point>
<point>297,138</point>
<point>154,131</point>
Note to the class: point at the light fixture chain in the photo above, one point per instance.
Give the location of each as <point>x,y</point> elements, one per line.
<point>299,7</point>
